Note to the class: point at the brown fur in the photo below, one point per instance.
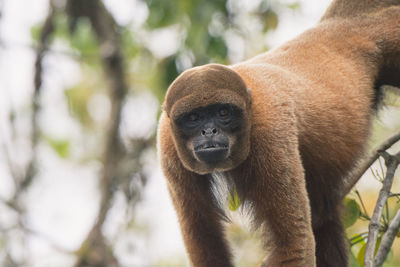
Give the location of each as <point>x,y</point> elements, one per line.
<point>308,117</point>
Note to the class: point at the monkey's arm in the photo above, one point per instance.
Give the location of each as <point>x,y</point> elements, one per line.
<point>277,192</point>
<point>201,226</point>
<point>287,211</point>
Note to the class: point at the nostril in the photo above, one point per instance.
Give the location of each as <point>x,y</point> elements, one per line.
<point>209,131</point>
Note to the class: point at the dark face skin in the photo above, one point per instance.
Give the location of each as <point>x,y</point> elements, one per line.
<point>210,131</point>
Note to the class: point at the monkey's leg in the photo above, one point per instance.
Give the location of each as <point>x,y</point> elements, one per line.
<point>331,243</point>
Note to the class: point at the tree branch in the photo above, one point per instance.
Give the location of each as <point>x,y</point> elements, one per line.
<point>44,41</point>
<point>387,240</point>
<point>105,29</point>
<point>366,163</point>
<point>391,163</point>
<point>22,180</point>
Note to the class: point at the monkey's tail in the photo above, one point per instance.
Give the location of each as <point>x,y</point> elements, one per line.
<point>353,8</point>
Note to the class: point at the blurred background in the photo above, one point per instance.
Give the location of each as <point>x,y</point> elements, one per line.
<point>81,85</point>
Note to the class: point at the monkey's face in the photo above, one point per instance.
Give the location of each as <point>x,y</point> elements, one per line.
<point>209,112</point>
<point>209,133</point>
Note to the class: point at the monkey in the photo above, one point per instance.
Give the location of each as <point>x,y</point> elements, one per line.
<point>285,127</point>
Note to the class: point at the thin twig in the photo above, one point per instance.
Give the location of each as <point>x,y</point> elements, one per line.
<point>386,216</point>
<point>367,162</point>
<point>358,238</point>
<point>15,175</point>
<point>391,163</point>
<point>44,40</point>
<point>362,204</point>
<point>387,240</point>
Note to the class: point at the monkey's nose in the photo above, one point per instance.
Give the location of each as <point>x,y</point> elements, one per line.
<point>209,132</point>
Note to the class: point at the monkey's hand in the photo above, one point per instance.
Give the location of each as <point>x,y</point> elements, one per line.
<point>290,258</point>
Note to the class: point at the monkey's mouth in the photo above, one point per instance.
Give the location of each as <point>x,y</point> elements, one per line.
<point>211,146</point>
<point>211,152</point>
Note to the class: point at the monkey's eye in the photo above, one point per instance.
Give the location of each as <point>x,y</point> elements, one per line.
<point>223,112</point>
<point>193,117</point>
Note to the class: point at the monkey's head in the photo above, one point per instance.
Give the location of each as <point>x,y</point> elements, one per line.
<point>209,111</point>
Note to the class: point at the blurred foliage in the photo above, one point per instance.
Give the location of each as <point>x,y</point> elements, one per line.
<point>60,146</point>
<point>203,28</point>
<point>77,99</point>
<point>202,38</point>
<point>82,41</point>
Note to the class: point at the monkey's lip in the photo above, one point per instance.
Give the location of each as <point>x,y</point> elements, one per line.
<point>211,147</point>
<point>211,153</point>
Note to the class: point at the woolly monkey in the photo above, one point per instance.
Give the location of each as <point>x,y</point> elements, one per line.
<point>285,128</point>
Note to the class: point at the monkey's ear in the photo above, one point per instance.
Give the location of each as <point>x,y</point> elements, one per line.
<point>249,94</point>
<point>164,109</point>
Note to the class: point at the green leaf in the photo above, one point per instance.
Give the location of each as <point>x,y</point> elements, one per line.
<point>217,48</point>
<point>170,70</point>
<point>130,47</point>
<point>294,6</point>
<point>61,146</point>
<point>361,254</point>
<point>351,212</point>
<point>353,260</point>
<point>357,239</point>
<point>77,99</point>
<point>83,38</point>
<point>378,243</point>
<point>270,20</point>
<point>162,13</point>
<point>234,201</point>
<point>35,31</point>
